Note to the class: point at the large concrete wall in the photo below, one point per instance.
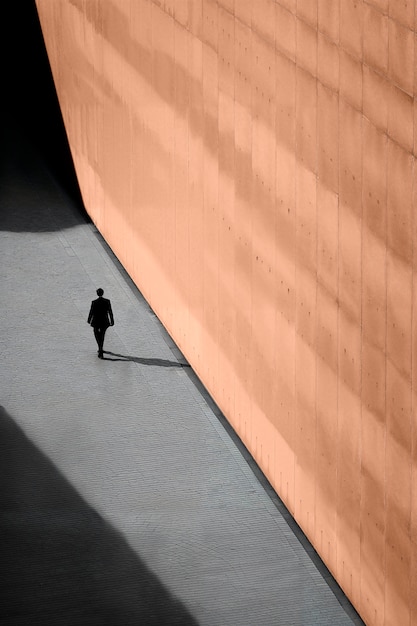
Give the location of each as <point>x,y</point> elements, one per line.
<point>252,164</point>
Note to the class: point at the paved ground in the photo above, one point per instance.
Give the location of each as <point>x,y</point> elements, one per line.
<point>125,497</point>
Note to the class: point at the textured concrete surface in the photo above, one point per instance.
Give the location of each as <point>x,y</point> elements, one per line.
<point>132,442</point>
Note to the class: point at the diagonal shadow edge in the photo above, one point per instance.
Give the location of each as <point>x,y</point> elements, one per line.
<point>61,561</point>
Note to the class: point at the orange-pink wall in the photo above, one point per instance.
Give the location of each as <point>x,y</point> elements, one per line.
<point>252,164</point>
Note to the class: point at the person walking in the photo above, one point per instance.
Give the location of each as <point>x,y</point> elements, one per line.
<point>100,318</point>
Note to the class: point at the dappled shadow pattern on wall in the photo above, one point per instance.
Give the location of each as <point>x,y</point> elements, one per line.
<point>61,562</point>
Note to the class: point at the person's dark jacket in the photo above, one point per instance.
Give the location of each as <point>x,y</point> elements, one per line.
<point>101,314</point>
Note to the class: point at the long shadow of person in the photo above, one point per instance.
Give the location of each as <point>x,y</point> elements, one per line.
<point>61,562</point>
<point>143,360</point>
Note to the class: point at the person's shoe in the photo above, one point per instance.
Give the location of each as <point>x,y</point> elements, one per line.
<point>100,355</point>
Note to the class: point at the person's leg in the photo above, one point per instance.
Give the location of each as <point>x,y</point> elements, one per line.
<point>103,332</point>
<point>99,335</point>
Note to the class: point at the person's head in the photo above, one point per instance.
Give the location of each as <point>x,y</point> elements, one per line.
<point>100,292</point>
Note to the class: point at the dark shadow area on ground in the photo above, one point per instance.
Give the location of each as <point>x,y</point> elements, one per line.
<point>35,159</point>
<point>61,562</point>
<point>143,360</point>
<point>31,199</point>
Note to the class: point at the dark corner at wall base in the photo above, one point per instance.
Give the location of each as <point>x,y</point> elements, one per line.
<point>29,100</point>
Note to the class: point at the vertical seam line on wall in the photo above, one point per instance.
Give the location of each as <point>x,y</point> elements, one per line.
<point>387,139</point>
<point>361,328</point>
<point>338,308</point>
<point>413,257</point>
<point>296,507</point>
<point>174,172</point>
<point>203,342</point>
<point>217,211</point>
<point>251,241</point>
<point>413,190</point>
<point>232,221</point>
<point>186,324</point>
<point>316,287</point>
<point>131,208</point>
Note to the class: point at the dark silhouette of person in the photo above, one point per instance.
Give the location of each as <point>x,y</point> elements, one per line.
<point>100,318</point>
